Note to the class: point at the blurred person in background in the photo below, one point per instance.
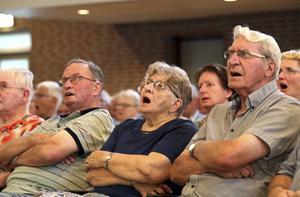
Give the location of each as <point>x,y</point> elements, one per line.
<point>126,104</point>
<point>47,99</point>
<point>192,110</point>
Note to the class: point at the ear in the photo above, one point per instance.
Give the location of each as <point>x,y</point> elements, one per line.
<point>271,69</point>
<point>25,95</point>
<point>176,105</point>
<point>228,93</point>
<point>97,88</point>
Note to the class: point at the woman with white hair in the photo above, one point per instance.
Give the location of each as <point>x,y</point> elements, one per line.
<point>137,157</point>
<point>289,73</point>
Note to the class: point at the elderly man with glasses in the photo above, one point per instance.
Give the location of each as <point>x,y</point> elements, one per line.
<point>15,97</point>
<point>39,167</point>
<point>238,149</point>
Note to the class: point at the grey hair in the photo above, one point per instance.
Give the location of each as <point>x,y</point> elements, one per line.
<point>134,95</point>
<point>53,90</point>
<point>292,55</point>
<point>268,45</point>
<point>177,79</point>
<point>94,68</point>
<point>23,78</point>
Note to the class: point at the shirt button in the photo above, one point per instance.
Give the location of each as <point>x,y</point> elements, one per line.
<point>232,130</point>
<point>192,186</point>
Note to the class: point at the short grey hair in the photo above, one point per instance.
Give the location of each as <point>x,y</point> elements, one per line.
<point>268,45</point>
<point>53,90</point>
<point>134,95</point>
<point>177,79</point>
<point>23,78</point>
<point>94,68</point>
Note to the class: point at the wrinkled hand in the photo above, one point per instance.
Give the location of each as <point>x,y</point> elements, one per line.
<point>145,189</point>
<point>93,176</point>
<point>280,192</point>
<point>243,172</point>
<point>69,159</point>
<point>96,159</point>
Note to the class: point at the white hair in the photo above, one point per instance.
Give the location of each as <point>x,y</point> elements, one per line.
<point>53,90</point>
<point>22,78</point>
<point>134,95</point>
<point>268,44</point>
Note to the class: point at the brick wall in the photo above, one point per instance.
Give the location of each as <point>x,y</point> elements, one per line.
<point>124,51</point>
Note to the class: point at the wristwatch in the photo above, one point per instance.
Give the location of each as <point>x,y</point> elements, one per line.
<point>191,149</point>
<point>107,158</point>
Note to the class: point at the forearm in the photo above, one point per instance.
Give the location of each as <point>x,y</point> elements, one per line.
<point>183,167</point>
<point>153,168</point>
<point>3,177</point>
<point>103,177</point>
<point>279,183</point>
<point>14,148</point>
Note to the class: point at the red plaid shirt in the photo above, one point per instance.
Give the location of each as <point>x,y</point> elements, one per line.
<point>17,128</point>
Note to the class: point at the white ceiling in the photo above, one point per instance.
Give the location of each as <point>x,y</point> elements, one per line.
<point>128,11</point>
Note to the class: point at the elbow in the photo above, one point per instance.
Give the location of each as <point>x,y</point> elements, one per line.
<point>178,178</point>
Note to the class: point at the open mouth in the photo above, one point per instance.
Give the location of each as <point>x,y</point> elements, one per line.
<point>235,74</point>
<point>283,86</point>
<point>68,94</point>
<point>146,100</point>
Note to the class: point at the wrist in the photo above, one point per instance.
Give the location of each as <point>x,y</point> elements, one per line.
<point>107,159</point>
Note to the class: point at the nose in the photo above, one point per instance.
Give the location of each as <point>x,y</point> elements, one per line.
<point>149,87</point>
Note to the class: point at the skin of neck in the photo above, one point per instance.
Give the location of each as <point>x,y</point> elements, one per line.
<point>153,122</point>
<point>11,116</point>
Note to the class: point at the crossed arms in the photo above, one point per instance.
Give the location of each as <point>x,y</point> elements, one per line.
<point>227,158</point>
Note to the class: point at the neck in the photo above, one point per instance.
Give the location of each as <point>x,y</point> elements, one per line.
<point>152,124</point>
<point>6,118</point>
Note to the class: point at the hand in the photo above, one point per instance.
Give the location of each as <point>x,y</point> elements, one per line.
<point>145,189</point>
<point>280,192</point>
<point>96,159</point>
<point>69,159</point>
<point>243,172</point>
<point>93,177</point>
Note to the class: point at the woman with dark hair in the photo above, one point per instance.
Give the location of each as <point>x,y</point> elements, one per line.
<point>213,87</point>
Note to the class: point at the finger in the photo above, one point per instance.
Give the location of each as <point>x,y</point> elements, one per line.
<point>166,188</point>
<point>159,190</point>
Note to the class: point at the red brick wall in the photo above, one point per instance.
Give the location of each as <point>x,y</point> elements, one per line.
<point>124,51</point>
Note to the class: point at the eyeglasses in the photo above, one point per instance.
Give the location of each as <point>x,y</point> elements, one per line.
<point>159,85</point>
<point>123,105</point>
<point>289,71</point>
<point>74,79</point>
<point>4,85</point>
<point>40,95</point>
<point>242,54</point>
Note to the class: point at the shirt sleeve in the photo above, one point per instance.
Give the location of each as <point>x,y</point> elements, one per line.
<point>90,130</point>
<point>278,128</point>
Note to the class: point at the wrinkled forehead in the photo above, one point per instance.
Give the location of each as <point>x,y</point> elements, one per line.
<point>7,78</point>
<point>77,68</point>
<point>290,63</point>
<point>242,43</point>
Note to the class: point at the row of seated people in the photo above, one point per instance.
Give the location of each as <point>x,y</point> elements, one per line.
<point>234,151</point>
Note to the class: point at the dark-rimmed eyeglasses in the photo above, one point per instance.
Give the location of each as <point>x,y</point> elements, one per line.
<point>242,54</point>
<point>157,84</point>
<point>4,85</point>
<point>74,79</point>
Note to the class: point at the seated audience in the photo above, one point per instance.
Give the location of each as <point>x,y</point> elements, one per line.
<point>105,100</point>
<point>47,99</point>
<point>38,165</point>
<point>289,73</point>
<point>250,135</point>
<point>126,104</point>
<point>137,157</point>
<point>15,119</point>
<point>192,110</point>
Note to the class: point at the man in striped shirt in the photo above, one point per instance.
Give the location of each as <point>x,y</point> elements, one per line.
<point>40,167</point>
